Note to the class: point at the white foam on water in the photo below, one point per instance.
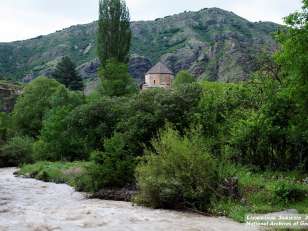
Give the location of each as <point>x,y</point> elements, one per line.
<point>29,204</point>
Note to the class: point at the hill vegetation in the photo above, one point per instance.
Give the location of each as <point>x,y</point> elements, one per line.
<point>212,44</point>
<point>224,148</point>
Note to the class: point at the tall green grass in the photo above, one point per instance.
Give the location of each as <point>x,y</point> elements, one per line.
<point>71,173</point>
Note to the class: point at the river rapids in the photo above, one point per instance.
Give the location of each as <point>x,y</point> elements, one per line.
<point>29,204</point>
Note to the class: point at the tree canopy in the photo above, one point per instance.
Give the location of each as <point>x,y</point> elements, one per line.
<point>30,108</point>
<point>113,33</point>
<point>57,141</point>
<point>66,74</point>
<point>183,77</point>
<point>116,80</point>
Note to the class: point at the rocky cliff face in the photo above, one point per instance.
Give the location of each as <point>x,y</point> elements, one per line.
<point>89,69</point>
<point>226,61</point>
<point>213,44</point>
<point>138,66</point>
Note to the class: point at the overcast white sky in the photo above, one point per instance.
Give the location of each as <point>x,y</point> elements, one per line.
<point>23,19</point>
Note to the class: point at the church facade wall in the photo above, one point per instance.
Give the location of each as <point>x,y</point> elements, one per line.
<point>157,79</point>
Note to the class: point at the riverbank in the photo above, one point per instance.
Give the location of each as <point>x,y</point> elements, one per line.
<point>260,193</point>
<point>29,204</point>
<point>71,173</point>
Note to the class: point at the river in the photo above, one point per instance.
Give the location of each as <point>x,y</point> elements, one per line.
<point>29,204</point>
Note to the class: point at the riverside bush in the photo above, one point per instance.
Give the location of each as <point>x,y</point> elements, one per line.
<point>18,150</point>
<point>176,171</point>
<point>113,167</point>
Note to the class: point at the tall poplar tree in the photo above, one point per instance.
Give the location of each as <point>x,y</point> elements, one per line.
<point>113,34</point>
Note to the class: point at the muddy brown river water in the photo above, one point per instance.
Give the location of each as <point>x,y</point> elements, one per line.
<point>29,204</point>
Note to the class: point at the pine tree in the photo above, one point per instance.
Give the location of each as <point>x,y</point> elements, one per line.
<point>66,74</point>
<point>113,34</point>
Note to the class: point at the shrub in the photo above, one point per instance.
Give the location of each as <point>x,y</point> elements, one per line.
<point>113,167</point>
<point>39,151</point>
<point>44,176</point>
<point>287,192</point>
<point>18,150</point>
<point>178,170</point>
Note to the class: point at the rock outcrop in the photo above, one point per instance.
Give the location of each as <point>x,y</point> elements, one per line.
<point>212,43</point>
<point>138,66</point>
<point>89,69</point>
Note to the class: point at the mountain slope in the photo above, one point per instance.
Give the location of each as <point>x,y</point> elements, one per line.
<point>213,44</point>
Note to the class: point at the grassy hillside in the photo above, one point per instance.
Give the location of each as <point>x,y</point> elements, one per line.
<point>166,35</point>
<point>179,41</point>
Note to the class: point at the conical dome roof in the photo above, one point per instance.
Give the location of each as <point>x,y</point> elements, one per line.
<point>159,68</point>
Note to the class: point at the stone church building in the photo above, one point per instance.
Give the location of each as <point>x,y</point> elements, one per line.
<point>158,76</point>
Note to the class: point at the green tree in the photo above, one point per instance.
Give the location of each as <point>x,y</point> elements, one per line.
<point>183,77</point>
<point>113,167</point>
<point>30,108</point>
<point>113,33</point>
<point>57,141</point>
<point>116,80</point>
<point>147,112</point>
<point>293,58</point>
<point>63,97</point>
<point>66,74</point>
<point>96,120</point>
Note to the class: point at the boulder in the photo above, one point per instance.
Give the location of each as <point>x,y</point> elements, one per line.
<point>27,175</point>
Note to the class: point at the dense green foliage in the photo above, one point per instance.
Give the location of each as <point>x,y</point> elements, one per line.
<point>178,170</point>
<point>259,124</point>
<point>183,77</point>
<point>54,134</point>
<point>113,45</point>
<point>63,97</point>
<point>293,58</point>
<point>66,74</point>
<point>113,32</point>
<point>191,141</point>
<point>96,121</point>
<point>30,108</point>
<point>116,80</point>
<point>113,167</point>
<point>57,141</point>
<point>148,111</point>
<point>288,192</point>
<point>18,150</point>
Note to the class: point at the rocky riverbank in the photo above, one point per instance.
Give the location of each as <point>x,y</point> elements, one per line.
<point>127,193</point>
